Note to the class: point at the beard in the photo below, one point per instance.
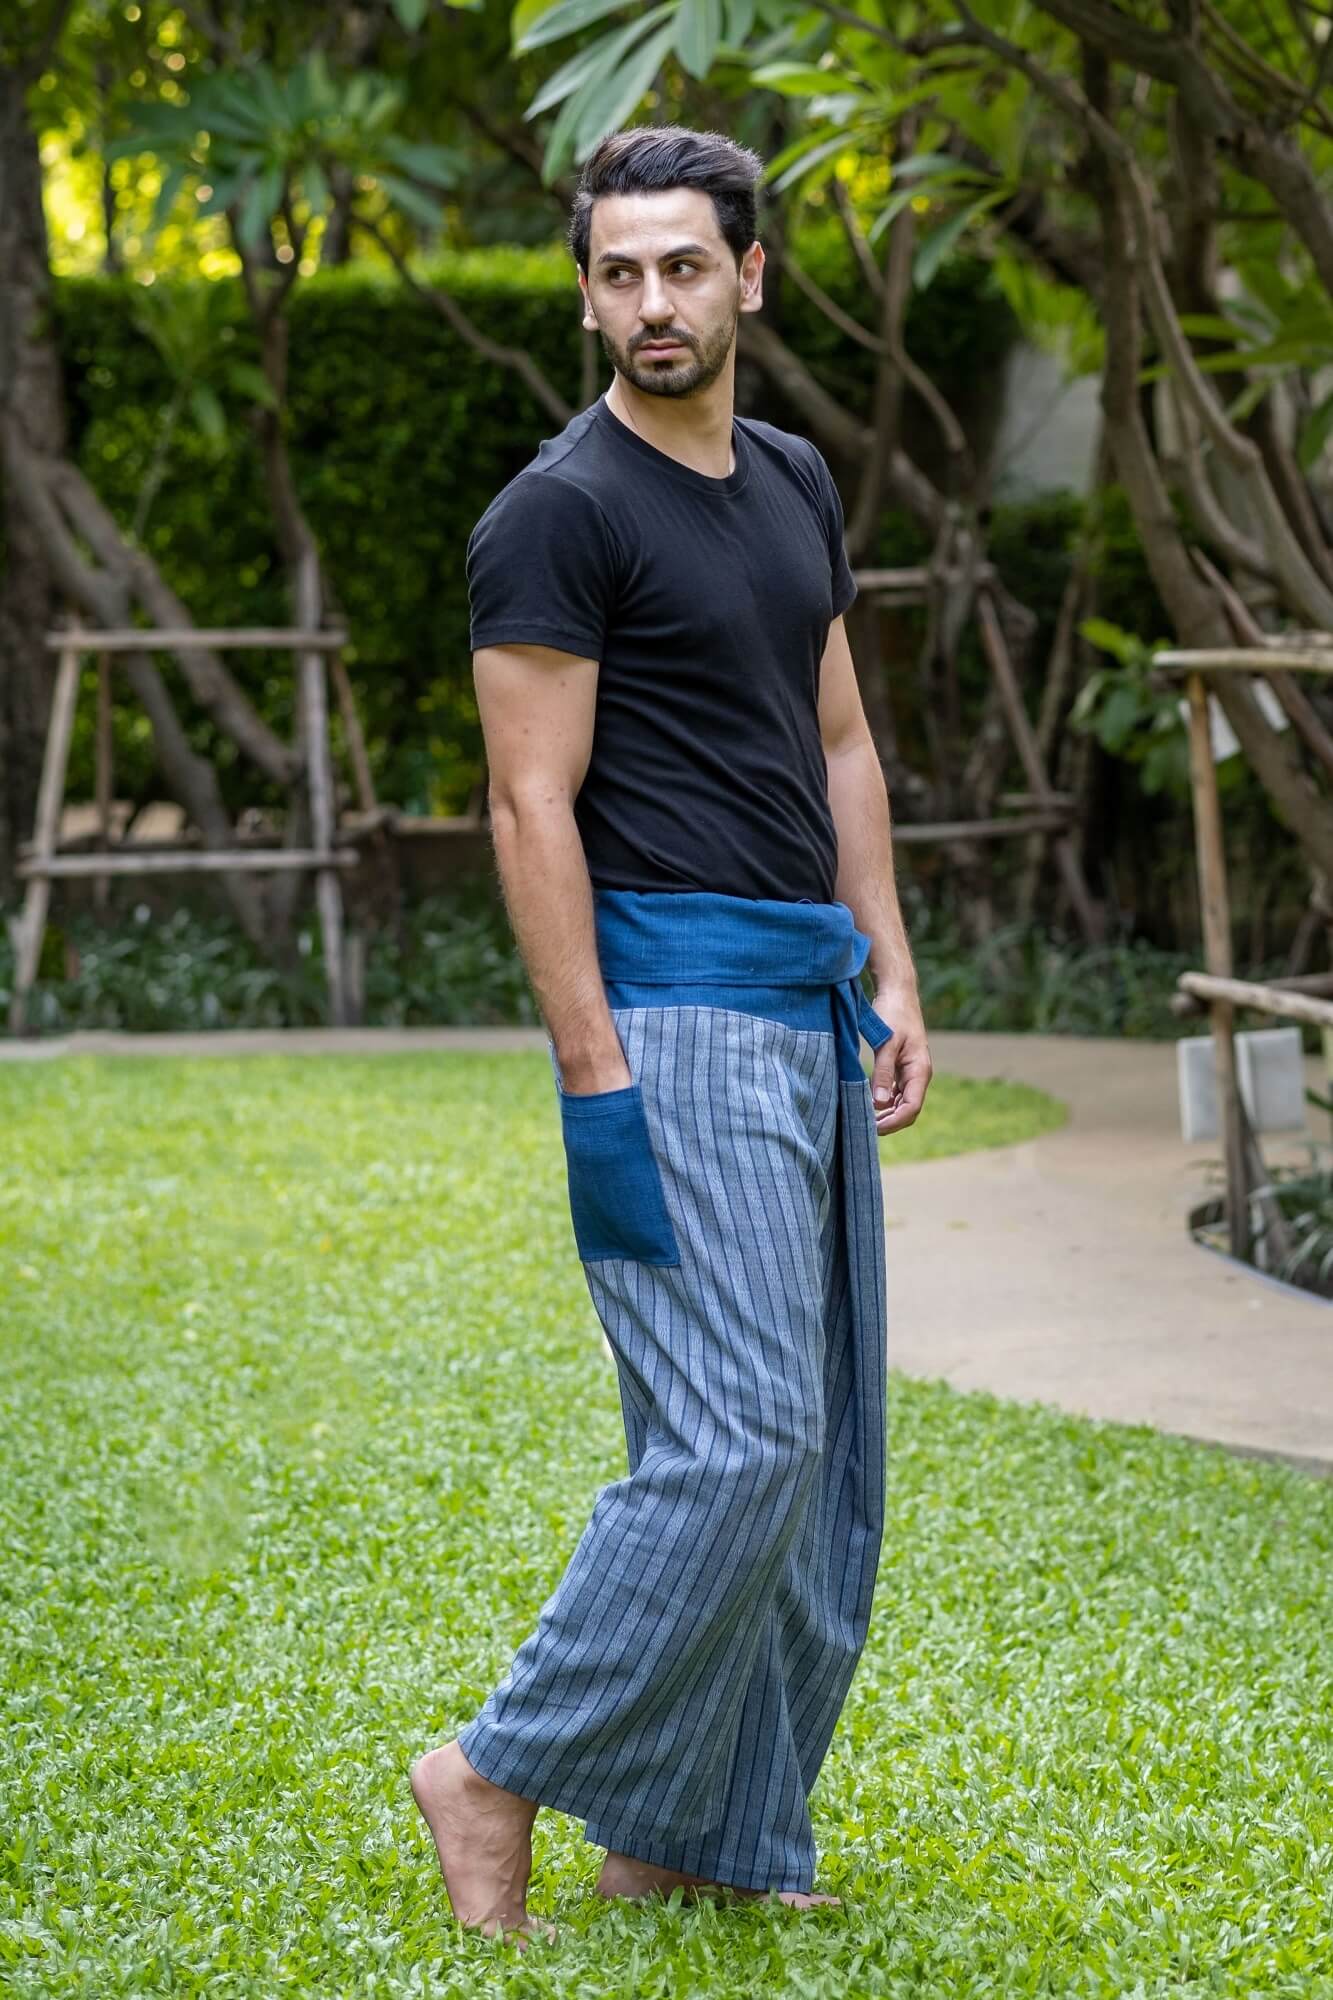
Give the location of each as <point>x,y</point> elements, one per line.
<point>677,375</point>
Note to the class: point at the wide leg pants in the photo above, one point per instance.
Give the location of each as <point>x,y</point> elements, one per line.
<point>683,1681</point>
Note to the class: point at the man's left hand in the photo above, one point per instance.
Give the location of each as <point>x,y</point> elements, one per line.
<point>903,1069</point>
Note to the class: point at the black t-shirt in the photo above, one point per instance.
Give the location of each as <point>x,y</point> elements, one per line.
<point>707,603</point>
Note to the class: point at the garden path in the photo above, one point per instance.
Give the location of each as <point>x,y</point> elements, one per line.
<point>1059,1270</point>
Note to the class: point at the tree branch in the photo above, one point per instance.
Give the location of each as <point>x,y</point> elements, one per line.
<point>452,313</point>
<point>860,248</point>
<point>1306,590</point>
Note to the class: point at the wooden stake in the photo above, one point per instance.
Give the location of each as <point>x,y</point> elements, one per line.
<point>185,861</point>
<point>1025,742</point>
<point>102,883</point>
<point>50,798</point>
<point>356,741</point>
<point>1211,856</point>
<point>319,779</point>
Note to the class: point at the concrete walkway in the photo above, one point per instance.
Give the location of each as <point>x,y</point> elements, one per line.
<point>1056,1271</point>
<point>1060,1270</point>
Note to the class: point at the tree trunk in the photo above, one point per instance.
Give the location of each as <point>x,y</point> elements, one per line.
<point>31,397</point>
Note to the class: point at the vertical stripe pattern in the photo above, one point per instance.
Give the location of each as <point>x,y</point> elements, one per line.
<point>683,1681</point>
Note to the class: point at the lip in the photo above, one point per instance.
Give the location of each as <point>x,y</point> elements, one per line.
<point>662,347</point>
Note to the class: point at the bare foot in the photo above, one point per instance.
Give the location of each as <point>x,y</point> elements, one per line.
<point>483,1836</point>
<point>795,1899</point>
<point>622,1875</point>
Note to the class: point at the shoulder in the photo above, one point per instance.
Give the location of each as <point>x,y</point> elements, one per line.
<point>563,489</point>
<point>789,451</point>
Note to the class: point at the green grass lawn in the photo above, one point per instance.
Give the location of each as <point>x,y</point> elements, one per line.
<point>304,1407</point>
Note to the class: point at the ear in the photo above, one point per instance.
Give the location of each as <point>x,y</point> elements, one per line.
<point>752,278</point>
<point>589,317</point>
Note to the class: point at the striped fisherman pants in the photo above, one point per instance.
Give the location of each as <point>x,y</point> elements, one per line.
<point>683,1682</point>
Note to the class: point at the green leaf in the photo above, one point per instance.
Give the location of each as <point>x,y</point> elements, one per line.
<point>797,150</point>
<point>423,208</point>
<point>223,195</point>
<point>260,206</point>
<point>272,103</point>
<point>565,18</point>
<point>740,20</point>
<point>1119,716</point>
<point>229,94</point>
<point>1109,638</point>
<point>411,13</point>
<point>799,79</point>
<point>611,104</point>
<point>1211,326</point>
<point>524,15</point>
<point>1085,701</point>
<point>315,187</point>
<point>599,57</point>
<point>438,166</point>
<point>208,414</point>
<point>248,380</point>
<point>698,32</point>
<point>827,152</point>
<point>166,195</point>
<point>1315,433</point>
<point>936,245</point>
<point>941,166</point>
<point>1249,398</point>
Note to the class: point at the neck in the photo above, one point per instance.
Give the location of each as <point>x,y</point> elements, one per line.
<point>695,429</point>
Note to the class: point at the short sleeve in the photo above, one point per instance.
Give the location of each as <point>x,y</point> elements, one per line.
<point>541,568</point>
<point>839,569</point>
<point>844,584</point>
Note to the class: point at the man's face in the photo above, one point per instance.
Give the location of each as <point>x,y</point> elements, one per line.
<point>660,270</point>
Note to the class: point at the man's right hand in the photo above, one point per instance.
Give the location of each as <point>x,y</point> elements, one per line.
<point>586,1078</point>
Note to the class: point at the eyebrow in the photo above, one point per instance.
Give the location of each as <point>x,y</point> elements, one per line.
<point>681,250</point>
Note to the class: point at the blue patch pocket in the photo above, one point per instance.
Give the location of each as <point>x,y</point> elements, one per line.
<point>615,1187</point>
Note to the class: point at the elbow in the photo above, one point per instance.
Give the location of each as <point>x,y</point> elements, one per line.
<point>515,809</point>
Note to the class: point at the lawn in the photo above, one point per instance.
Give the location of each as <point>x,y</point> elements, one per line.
<point>304,1406</point>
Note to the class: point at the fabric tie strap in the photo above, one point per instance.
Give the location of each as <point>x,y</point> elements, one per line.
<point>700,938</point>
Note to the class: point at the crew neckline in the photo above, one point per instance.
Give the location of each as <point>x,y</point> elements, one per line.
<point>701,482</point>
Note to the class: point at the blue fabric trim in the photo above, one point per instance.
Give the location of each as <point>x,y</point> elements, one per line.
<point>797,1006</point>
<point>798,962</point>
<point>616,1200</point>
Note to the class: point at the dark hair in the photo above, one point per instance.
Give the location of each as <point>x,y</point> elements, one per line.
<point>647,159</point>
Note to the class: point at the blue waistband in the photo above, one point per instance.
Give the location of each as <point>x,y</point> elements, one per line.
<point>701,939</point>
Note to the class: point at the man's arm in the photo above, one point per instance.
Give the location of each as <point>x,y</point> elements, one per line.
<point>859,801</point>
<point>537,706</point>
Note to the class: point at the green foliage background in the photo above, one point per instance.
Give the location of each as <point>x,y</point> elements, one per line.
<point>400,434</point>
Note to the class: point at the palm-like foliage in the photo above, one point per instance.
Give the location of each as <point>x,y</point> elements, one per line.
<point>253,145</point>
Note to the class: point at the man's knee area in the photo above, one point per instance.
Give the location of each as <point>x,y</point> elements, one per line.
<point>783,1449</point>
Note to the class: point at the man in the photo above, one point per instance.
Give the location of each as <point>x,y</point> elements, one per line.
<point>692,832</point>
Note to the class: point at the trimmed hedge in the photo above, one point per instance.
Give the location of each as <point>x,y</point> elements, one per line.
<point>400,435</point>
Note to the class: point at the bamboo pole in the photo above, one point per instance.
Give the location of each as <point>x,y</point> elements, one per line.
<point>1311,659</point>
<point>1034,768</point>
<point>1265,999</point>
<point>313,695</point>
<point>102,882</point>
<point>50,797</point>
<point>244,639</point>
<point>356,739</point>
<point>186,861</point>
<point>1211,856</point>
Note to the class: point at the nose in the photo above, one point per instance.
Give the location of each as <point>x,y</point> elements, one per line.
<point>654,305</point>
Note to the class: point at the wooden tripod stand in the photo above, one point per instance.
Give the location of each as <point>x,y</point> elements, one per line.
<point>42,864</point>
